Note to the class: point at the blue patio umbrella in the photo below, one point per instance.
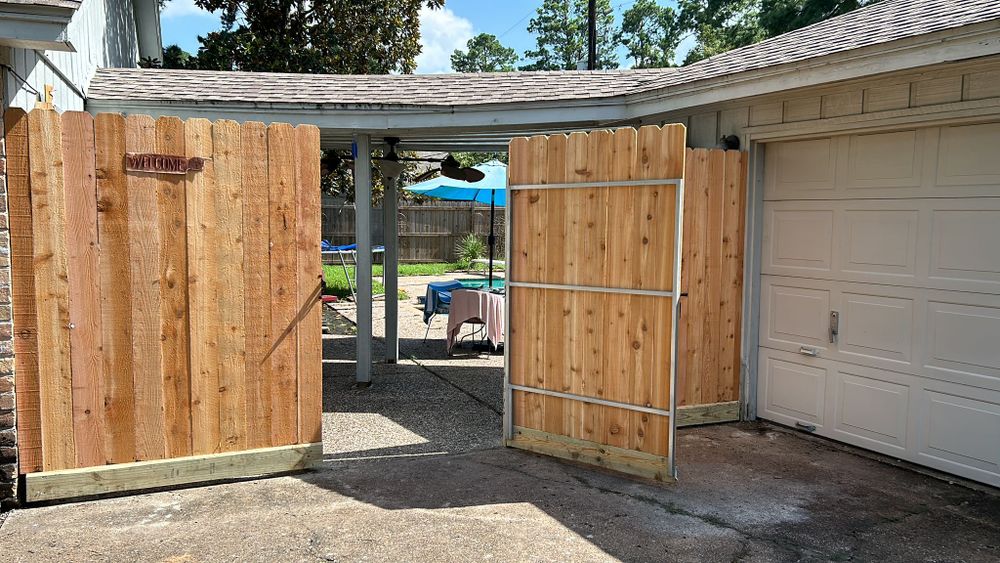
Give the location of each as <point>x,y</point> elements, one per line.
<point>492,189</point>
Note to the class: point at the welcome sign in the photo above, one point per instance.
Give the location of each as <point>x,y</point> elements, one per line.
<point>163,163</point>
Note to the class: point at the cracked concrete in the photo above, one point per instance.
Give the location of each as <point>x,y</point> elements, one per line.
<point>413,473</point>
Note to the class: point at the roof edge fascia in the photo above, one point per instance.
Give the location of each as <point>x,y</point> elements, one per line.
<point>953,45</point>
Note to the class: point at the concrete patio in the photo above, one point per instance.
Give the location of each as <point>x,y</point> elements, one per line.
<point>413,473</point>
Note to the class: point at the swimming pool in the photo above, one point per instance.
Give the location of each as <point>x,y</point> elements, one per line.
<point>479,283</point>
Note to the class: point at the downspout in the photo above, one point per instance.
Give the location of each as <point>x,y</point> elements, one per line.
<point>147,29</point>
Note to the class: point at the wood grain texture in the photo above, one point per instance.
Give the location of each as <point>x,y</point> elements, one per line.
<point>171,194</point>
<point>144,300</point>
<point>116,287</point>
<point>282,169</point>
<point>612,346</point>
<point>72,483</point>
<point>29,415</point>
<point>228,261</point>
<point>204,289</point>
<point>83,255</point>
<point>712,275</point>
<point>257,283</point>
<point>144,244</point>
<point>308,221</point>
<point>48,211</point>
<point>622,460</point>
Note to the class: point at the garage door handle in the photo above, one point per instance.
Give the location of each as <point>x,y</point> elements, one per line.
<point>807,351</point>
<point>806,427</point>
<point>834,326</point>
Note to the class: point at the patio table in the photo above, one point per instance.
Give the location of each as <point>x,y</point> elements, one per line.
<point>476,306</point>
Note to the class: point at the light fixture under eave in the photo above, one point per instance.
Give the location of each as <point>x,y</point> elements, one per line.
<point>389,165</point>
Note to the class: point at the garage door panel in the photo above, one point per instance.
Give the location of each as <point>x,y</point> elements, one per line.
<point>800,240</point>
<point>871,410</point>
<point>794,388</point>
<point>880,241</point>
<point>902,241</point>
<point>801,167</point>
<point>960,431</point>
<point>963,341</point>
<point>948,244</point>
<point>884,160</point>
<point>965,244</point>
<point>876,327</point>
<point>799,316</point>
<point>967,160</point>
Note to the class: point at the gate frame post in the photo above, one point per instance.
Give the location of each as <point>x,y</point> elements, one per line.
<point>390,269</point>
<point>363,237</point>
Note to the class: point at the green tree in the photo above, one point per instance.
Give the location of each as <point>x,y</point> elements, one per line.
<point>651,33</point>
<point>781,16</point>
<point>722,25</point>
<point>484,53</point>
<point>175,57</point>
<point>560,28</point>
<point>327,36</point>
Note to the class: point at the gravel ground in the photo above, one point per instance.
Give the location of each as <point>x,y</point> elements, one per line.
<point>427,404</point>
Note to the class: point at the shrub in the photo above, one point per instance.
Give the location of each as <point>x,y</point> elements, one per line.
<point>469,248</point>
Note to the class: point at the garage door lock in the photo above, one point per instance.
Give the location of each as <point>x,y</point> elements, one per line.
<point>834,326</point>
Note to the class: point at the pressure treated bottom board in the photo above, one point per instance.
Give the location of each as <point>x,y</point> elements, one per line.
<point>713,413</point>
<point>609,457</point>
<point>140,475</point>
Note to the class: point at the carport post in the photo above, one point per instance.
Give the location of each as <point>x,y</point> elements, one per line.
<point>391,270</point>
<point>363,236</point>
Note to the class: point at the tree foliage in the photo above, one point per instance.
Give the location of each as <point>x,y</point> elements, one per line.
<point>324,36</point>
<point>651,34</point>
<point>560,28</point>
<point>484,53</point>
<point>722,25</point>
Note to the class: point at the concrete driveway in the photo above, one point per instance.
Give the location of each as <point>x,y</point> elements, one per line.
<point>748,492</point>
<point>413,472</point>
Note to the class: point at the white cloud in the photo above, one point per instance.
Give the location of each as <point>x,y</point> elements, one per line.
<point>441,32</point>
<point>178,8</point>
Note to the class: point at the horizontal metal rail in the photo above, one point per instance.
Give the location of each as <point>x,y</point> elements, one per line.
<point>592,400</point>
<point>594,289</point>
<point>614,184</point>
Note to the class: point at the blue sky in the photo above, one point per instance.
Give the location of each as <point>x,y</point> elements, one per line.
<point>442,31</point>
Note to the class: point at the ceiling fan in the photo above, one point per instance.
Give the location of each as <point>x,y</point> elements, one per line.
<point>391,165</point>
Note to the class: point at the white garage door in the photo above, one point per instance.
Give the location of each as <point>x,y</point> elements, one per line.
<point>880,293</point>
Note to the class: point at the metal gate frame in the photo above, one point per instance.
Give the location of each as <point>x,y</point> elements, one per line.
<point>675,294</point>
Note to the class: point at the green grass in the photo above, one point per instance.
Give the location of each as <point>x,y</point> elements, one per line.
<point>336,283</point>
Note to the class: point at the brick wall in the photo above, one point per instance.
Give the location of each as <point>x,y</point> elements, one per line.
<point>8,415</point>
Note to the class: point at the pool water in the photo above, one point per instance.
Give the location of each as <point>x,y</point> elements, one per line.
<point>478,283</point>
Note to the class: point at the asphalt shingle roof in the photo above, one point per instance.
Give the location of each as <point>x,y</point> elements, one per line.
<point>877,24</point>
<point>408,89</point>
<point>66,4</point>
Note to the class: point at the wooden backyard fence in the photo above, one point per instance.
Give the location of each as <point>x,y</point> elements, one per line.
<point>428,232</point>
<point>163,316</point>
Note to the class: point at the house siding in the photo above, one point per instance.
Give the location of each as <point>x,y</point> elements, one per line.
<point>103,32</point>
<point>927,88</point>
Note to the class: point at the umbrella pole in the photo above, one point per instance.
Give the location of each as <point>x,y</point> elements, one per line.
<point>492,239</point>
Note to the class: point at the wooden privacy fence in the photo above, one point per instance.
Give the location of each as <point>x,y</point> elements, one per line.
<point>163,316</point>
<point>593,294</point>
<point>708,358</point>
<point>428,232</point>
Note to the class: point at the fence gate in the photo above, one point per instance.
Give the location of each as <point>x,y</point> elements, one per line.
<point>166,277</point>
<point>595,230</point>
